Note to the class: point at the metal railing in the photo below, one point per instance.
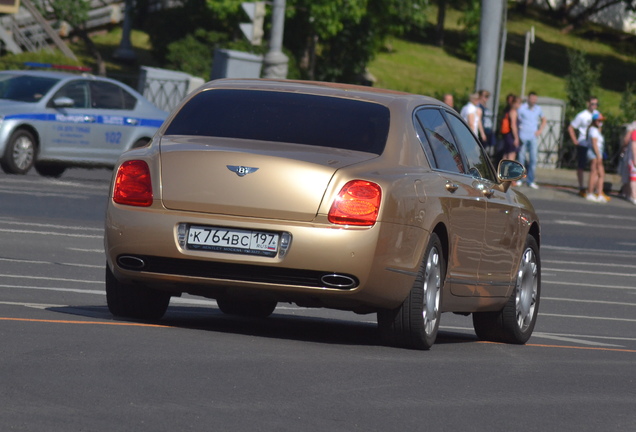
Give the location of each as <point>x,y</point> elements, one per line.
<point>165,93</point>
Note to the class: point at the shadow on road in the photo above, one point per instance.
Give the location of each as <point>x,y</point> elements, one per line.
<point>278,326</point>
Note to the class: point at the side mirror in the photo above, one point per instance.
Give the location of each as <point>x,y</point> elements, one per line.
<point>63,102</point>
<point>510,170</point>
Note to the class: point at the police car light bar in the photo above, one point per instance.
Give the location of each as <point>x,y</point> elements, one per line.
<point>54,66</point>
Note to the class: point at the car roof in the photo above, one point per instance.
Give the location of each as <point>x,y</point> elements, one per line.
<point>379,95</point>
<point>39,73</point>
<point>62,76</point>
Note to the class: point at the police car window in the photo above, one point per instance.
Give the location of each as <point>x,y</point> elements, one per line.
<point>25,88</point>
<point>476,158</point>
<point>75,90</point>
<point>105,95</point>
<point>442,144</point>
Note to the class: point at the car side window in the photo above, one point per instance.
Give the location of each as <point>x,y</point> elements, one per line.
<point>438,141</point>
<point>75,90</point>
<point>478,163</point>
<point>105,95</point>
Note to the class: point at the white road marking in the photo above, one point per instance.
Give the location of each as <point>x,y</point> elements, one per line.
<point>589,264</point>
<point>584,285</point>
<point>588,251</point>
<point>32,305</point>
<point>581,339</point>
<point>25,261</point>
<point>596,272</point>
<point>48,278</point>
<point>41,225</point>
<point>50,233</point>
<point>588,301</point>
<point>588,317</point>
<point>73,290</point>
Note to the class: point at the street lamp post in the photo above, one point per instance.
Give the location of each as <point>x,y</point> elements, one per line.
<point>275,62</point>
<point>529,40</point>
<point>125,52</point>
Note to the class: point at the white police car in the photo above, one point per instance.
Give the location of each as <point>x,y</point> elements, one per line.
<point>55,120</point>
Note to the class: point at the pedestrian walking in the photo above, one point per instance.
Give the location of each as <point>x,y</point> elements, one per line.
<point>578,133</point>
<point>630,164</point>
<point>596,144</point>
<point>486,118</point>
<point>509,128</point>
<point>531,123</point>
<point>624,168</point>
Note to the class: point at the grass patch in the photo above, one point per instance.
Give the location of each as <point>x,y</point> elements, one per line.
<point>431,70</point>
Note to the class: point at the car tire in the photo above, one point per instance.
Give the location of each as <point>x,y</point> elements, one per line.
<point>49,169</point>
<point>19,153</point>
<point>134,301</point>
<point>515,322</point>
<point>246,308</point>
<point>415,323</point>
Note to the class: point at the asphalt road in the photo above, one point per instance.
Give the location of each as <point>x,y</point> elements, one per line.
<point>67,365</point>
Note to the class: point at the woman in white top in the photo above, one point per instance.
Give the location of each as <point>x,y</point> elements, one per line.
<point>596,143</point>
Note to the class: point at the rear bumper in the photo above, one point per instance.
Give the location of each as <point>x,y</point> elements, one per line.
<point>374,267</point>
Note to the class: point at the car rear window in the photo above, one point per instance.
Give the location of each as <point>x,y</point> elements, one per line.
<point>285,117</point>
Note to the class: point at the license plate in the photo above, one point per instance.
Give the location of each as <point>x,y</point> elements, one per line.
<point>233,241</point>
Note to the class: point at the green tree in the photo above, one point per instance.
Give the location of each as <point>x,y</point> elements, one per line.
<point>628,103</point>
<point>329,40</point>
<point>581,82</point>
<point>471,22</point>
<point>75,13</point>
<point>334,40</point>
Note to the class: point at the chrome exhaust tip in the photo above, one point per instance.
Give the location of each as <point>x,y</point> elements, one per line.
<point>338,281</point>
<point>130,262</point>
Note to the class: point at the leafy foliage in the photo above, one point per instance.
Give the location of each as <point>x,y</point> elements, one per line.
<point>192,53</point>
<point>335,40</point>
<point>169,25</point>
<point>628,102</point>
<point>331,40</point>
<point>581,82</point>
<point>471,21</point>
<point>75,12</point>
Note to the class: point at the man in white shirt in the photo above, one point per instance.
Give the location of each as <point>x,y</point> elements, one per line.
<point>471,113</point>
<point>578,133</point>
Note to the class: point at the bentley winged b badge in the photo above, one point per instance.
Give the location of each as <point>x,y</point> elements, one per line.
<point>241,171</point>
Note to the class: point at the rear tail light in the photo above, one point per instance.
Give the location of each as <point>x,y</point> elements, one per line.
<point>358,203</point>
<point>132,184</point>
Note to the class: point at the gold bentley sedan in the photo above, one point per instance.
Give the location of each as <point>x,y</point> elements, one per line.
<point>256,192</point>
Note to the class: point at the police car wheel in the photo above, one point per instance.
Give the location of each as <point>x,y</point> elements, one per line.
<point>49,169</point>
<point>19,154</point>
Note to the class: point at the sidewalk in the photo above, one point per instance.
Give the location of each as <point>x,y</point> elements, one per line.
<point>567,178</point>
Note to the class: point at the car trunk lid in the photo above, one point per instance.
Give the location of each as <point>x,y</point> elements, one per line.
<point>248,178</point>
